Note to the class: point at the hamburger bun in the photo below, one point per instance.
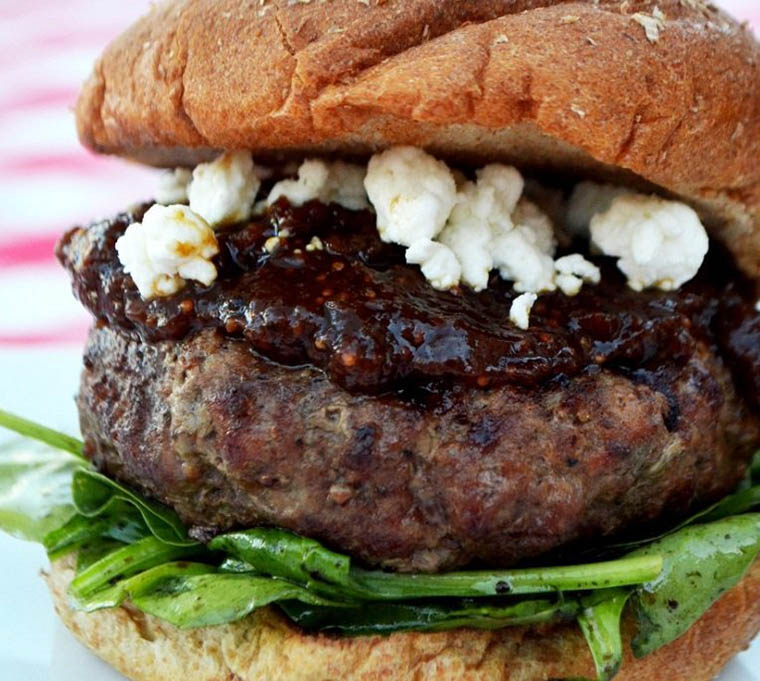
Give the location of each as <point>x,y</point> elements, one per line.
<point>574,87</point>
<point>600,89</point>
<point>265,646</point>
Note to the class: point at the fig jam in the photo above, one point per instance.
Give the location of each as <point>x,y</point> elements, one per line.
<point>349,305</point>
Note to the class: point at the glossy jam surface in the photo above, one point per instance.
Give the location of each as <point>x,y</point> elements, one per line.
<point>373,324</point>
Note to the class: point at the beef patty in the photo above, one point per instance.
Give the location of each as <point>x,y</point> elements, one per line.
<point>423,481</point>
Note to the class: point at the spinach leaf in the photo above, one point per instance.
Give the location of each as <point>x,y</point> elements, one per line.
<point>308,563</point>
<point>35,489</point>
<point>122,522</point>
<point>742,501</point>
<point>387,618</point>
<point>201,600</point>
<point>188,595</point>
<point>286,555</point>
<point>235,565</point>
<point>92,551</point>
<point>600,622</point>
<point>95,495</point>
<point>114,593</point>
<point>91,590</point>
<point>701,563</point>
<point>35,431</point>
<point>41,488</point>
<point>735,504</point>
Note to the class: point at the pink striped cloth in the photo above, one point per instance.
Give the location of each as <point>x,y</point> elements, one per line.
<point>47,181</point>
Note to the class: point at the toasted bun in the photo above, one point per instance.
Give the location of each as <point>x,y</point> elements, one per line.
<point>575,87</point>
<point>265,646</point>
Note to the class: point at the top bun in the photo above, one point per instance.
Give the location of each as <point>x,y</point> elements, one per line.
<point>603,88</point>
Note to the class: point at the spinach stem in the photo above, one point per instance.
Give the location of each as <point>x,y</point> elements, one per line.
<point>623,572</point>
<point>41,433</point>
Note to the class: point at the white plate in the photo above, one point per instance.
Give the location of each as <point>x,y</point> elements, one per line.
<point>34,646</point>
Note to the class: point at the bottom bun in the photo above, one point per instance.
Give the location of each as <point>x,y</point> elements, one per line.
<point>265,647</point>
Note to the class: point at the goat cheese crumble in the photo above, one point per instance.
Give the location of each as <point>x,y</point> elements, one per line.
<point>572,271</point>
<point>337,182</point>
<point>519,258</point>
<point>171,245</point>
<point>519,312</point>
<point>413,194</point>
<point>456,230</point>
<point>223,191</point>
<point>461,235</point>
<point>173,185</point>
<point>660,244</point>
<point>483,212</point>
<point>438,263</point>
<point>587,200</point>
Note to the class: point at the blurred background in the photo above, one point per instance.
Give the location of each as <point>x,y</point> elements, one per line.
<point>48,183</point>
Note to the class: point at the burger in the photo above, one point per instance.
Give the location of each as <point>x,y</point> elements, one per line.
<point>436,356</point>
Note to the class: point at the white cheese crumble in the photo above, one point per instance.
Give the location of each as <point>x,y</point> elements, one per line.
<point>519,312</point>
<point>572,271</point>
<point>528,214</point>
<point>459,231</point>
<point>587,200</point>
<point>412,192</point>
<point>172,186</point>
<point>170,245</point>
<point>660,244</point>
<point>223,191</point>
<point>272,244</point>
<point>337,182</point>
<point>456,230</point>
<point>520,258</point>
<point>438,263</point>
<point>483,212</point>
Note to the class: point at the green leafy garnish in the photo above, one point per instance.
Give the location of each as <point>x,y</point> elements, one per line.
<point>282,554</point>
<point>626,571</point>
<point>95,495</point>
<point>122,522</point>
<point>288,556</point>
<point>35,489</point>
<point>91,586</point>
<point>600,622</point>
<point>209,597</point>
<point>387,618</point>
<point>743,500</point>
<point>92,551</point>
<point>701,564</point>
<point>35,431</point>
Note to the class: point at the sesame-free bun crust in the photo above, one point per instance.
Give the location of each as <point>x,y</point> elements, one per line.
<point>264,647</point>
<point>575,87</point>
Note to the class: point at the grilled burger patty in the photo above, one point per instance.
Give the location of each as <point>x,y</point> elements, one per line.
<point>230,439</point>
<point>234,403</point>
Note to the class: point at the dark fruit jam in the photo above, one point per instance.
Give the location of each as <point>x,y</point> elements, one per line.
<point>373,323</point>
